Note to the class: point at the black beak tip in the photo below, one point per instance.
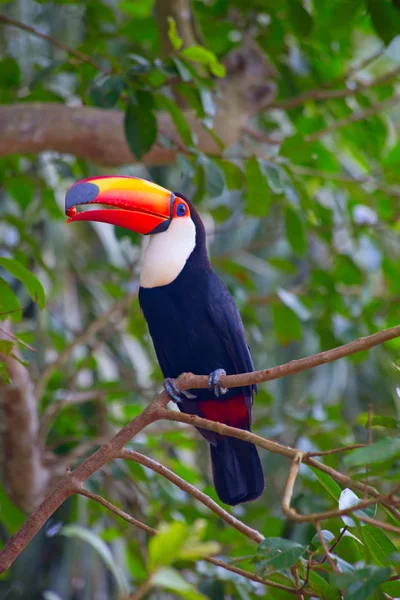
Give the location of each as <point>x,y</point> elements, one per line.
<point>81,193</point>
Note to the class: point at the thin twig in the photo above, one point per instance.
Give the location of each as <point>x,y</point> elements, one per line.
<point>319,94</point>
<point>79,55</point>
<point>150,530</point>
<point>156,410</point>
<point>336,450</point>
<point>288,492</point>
<point>152,464</point>
<point>359,115</point>
<point>325,547</point>
<point>118,511</point>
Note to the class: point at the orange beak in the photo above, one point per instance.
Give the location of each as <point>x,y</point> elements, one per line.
<point>137,204</point>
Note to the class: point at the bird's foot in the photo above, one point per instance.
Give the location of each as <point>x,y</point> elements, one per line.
<point>214,382</point>
<point>174,392</point>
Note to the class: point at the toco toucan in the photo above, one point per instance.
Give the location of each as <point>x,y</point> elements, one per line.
<point>193,320</point>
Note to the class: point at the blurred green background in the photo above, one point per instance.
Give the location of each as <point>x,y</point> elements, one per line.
<point>288,143</point>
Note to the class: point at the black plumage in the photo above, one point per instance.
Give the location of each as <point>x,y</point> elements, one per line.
<point>196,326</point>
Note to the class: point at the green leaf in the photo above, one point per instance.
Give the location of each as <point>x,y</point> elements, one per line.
<point>170,579</point>
<point>328,538</point>
<point>15,517</point>
<point>105,92</point>
<point>380,546</point>
<point>173,34</point>
<point>295,231</point>
<point>258,195</point>
<point>21,188</point>
<point>76,531</point>
<point>276,177</point>
<point>361,583</point>
<point>287,325</point>
<point>29,280</point>
<point>6,347</point>
<point>300,18</point>
<point>278,554</point>
<point>214,177</point>
<point>385,18</point>
<point>346,271</point>
<point>233,174</point>
<point>386,449</point>
<point>328,483</point>
<point>171,536</point>
<point>140,124</point>
<point>205,57</point>
<point>322,587</point>
<point>389,422</point>
<point>179,119</point>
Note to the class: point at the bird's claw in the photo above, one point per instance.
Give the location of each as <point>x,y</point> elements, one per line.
<point>174,392</point>
<point>214,382</point>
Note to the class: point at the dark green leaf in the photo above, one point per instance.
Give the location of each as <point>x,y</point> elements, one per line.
<point>380,546</point>
<point>258,195</point>
<point>360,583</point>
<point>215,178</point>
<point>385,19</point>
<point>300,18</point>
<point>386,449</point>
<point>29,280</point>
<point>179,119</point>
<point>278,554</point>
<point>295,231</point>
<point>328,538</point>
<point>105,92</point>
<point>140,124</point>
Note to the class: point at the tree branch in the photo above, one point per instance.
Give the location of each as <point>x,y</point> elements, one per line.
<point>188,380</point>
<point>156,410</point>
<point>359,115</point>
<point>24,473</point>
<point>79,55</point>
<point>252,534</point>
<point>320,94</point>
<point>150,530</point>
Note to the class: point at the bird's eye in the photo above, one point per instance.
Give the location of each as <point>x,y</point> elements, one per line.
<point>181,210</point>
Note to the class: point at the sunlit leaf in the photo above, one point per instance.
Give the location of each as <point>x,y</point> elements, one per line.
<point>171,536</point>
<point>170,579</point>
<point>173,35</point>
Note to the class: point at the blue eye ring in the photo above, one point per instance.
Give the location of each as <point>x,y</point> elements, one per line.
<point>181,210</point>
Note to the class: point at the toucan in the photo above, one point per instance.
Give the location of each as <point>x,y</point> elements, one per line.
<point>192,318</point>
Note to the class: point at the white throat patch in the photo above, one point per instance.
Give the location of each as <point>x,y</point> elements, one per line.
<point>167,253</point>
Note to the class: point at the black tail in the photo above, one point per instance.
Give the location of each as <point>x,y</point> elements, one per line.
<point>237,470</point>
